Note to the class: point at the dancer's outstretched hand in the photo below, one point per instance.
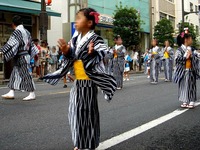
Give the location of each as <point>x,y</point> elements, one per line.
<point>64,47</point>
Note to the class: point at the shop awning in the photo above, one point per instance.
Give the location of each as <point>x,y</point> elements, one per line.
<point>24,6</point>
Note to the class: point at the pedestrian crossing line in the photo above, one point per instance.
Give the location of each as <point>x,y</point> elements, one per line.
<point>55,93</point>
<point>134,132</point>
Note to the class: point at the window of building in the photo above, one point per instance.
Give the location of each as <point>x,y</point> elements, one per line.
<point>172,19</point>
<point>74,6</point>
<point>196,9</point>
<point>191,7</point>
<point>162,16</point>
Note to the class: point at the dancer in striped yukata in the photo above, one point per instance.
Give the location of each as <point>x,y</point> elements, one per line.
<point>21,48</point>
<point>154,62</point>
<point>118,61</point>
<point>108,61</point>
<point>85,53</point>
<point>168,54</point>
<point>186,71</point>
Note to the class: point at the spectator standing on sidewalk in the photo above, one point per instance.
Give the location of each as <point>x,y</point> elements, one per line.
<point>135,59</point>
<point>127,67</point>
<point>54,58</point>
<point>37,59</point>
<point>43,57</point>
<point>147,63</point>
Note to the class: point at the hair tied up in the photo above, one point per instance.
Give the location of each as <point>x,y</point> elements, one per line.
<point>96,16</point>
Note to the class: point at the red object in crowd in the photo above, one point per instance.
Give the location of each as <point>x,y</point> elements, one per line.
<point>48,2</point>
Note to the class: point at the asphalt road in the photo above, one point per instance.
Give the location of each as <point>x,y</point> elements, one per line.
<point>43,124</point>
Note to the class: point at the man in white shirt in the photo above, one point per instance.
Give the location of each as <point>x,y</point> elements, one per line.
<point>135,60</point>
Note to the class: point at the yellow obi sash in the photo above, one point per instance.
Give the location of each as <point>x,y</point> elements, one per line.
<point>80,71</point>
<point>115,55</point>
<point>154,53</point>
<point>188,64</point>
<point>166,55</point>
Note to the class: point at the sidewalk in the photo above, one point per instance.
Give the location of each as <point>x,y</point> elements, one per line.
<point>136,72</point>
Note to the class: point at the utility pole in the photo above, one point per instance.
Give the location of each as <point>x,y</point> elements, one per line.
<point>43,21</point>
<point>184,13</point>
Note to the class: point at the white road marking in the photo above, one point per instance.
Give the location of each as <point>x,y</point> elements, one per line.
<point>134,132</point>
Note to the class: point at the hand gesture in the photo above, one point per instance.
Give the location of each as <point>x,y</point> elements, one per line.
<point>189,54</point>
<point>91,47</point>
<point>63,46</point>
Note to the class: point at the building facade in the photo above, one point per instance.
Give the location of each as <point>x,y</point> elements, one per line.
<point>106,8</point>
<point>189,6</point>
<point>163,9</point>
<point>172,10</point>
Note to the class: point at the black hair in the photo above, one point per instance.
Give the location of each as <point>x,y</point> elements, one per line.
<point>17,20</point>
<point>86,12</point>
<point>117,37</point>
<point>167,41</point>
<point>181,38</point>
<point>35,40</point>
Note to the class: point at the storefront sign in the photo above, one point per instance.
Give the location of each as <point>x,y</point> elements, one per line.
<point>104,19</point>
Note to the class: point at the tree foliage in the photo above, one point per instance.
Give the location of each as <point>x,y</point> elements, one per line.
<point>164,31</point>
<point>127,24</point>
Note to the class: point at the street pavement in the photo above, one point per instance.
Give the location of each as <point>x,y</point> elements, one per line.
<point>42,124</point>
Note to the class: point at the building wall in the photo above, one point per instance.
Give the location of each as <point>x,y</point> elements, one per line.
<point>163,9</point>
<point>55,23</point>
<point>143,6</point>
<point>109,6</point>
<point>192,18</point>
<point>173,9</point>
<point>60,27</point>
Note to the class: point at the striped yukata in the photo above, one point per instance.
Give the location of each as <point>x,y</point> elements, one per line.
<point>185,76</point>
<point>83,107</point>
<point>109,63</point>
<point>118,64</point>
<point>168,54</point>
<point>154,63</point>
<point>21,48</point>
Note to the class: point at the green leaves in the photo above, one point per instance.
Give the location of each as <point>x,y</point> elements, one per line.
<point>164,31</point>
<point>127,24</point>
